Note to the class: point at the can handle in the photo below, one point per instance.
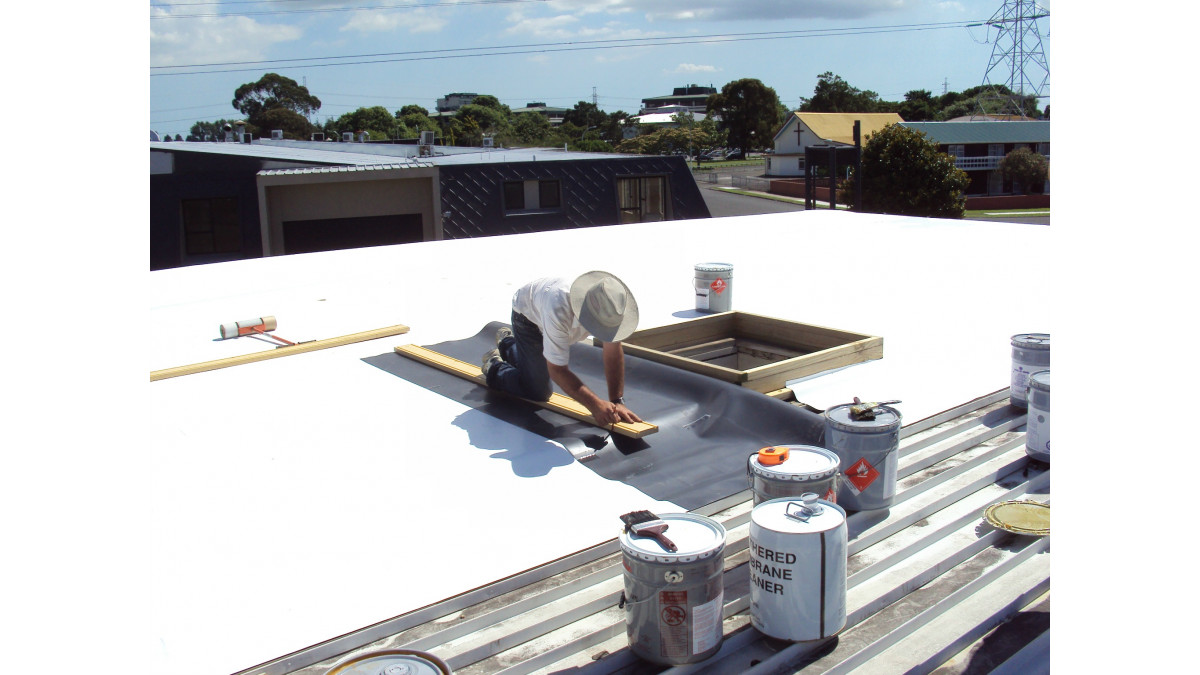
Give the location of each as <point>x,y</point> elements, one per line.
<point>808,508</point>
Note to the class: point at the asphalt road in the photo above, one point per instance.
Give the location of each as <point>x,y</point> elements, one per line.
<point>723,204</point>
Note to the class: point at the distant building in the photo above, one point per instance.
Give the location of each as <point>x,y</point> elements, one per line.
<point>693,97</point>
<point>216,202</point>
<point>555,115</point>
<point>452,102</point>
<point>978,148</point>
<point>664,118</point>
<point>802,130</point>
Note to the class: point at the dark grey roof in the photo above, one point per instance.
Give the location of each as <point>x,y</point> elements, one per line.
<point>983,132</point>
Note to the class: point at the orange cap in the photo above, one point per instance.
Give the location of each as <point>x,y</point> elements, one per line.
<point>776,454</point>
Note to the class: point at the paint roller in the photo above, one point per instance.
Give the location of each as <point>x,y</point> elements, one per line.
<point>258,326</point>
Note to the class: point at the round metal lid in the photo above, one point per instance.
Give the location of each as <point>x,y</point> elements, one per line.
<point>1032,340</point>
<point>887,418</point>
<point>786,515</point>
<point>696,538</point>
<point>714,267</point>
<point>804,462</point>
<point>392,662</point>
<point>1040,381</point>
<point>1020,517</point>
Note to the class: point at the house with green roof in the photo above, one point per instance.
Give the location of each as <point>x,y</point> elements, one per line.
<point>978,148</point>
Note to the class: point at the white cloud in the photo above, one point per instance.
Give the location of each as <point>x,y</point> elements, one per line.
<point>213,39</point>
<point>557,27</point>
<point>687,68</point>
<point>724,10</point>
<point>412,21</point>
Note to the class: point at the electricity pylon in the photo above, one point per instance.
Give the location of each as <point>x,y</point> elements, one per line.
<point>1017,62</point>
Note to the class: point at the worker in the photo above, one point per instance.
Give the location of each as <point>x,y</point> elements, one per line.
<point>548,316</point>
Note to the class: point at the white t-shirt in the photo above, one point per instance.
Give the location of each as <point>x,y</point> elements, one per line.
<point>547,303</point>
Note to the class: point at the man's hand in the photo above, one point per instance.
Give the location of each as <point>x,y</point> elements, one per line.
<point>607,413</point>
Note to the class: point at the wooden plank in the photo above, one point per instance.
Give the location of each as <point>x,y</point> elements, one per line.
<point>709,369</point>
<point>564,405</point>
<point>300,348</point>
<point>687,333</point>
<point>771,377</point>
<point>801,336</point>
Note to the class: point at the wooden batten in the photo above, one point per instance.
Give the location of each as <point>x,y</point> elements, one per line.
<point>564,405</point>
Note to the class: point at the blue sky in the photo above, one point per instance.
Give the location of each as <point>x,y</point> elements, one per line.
<point>396,52</point>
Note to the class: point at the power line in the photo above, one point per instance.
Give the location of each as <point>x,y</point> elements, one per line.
<point>551,47</point>
<point>319,10</point>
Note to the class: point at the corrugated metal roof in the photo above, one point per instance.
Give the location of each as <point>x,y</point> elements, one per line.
<point>929,581</point>
<point>1032,131</point>
<point>338,169</point>
<point>839,127</point>
<point>316,155</point>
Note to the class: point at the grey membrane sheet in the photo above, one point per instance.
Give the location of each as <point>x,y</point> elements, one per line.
<point>706,428</point>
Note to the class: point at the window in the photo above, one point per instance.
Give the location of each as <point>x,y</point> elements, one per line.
<point>956,150</point>
<point>532,196</point>
<point>548,196</point>
<point>514,196</point>
<point>641,200</point>
<point>211,226</point>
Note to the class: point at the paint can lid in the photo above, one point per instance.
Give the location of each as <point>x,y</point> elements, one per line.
<point>787,515</point>
<point>392,662</point>
<point>1020,517</point>
<point>1039,341</point>
<point>1040,381</point>
<point>886,419</point>
<point>714,267</point>
<point>696,537</point>
<point>804,462</point>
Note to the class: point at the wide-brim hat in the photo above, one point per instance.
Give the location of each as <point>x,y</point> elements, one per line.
<point>604,306</point>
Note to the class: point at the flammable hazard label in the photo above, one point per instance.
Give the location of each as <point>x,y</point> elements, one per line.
<point>718,285</point>
<point>860,475</point>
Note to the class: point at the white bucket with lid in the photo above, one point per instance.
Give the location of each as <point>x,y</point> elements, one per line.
<point>392,662</point>
<point>714,287</point>
<point>869,452</point>
<point>674,599</point>
<point>1037,421</point>
<point>798,551</point>
<point>1030,353</point>
<point>792,470</point>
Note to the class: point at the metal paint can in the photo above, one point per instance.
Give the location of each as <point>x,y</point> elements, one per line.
<point>1037,422</point>
<point>714,287</point>
<point>805,468</point>
<point>869,452</point>
<point>798,551</point>
<point>1030,353</point>
<point>392,662</point>
<point>674,599</point>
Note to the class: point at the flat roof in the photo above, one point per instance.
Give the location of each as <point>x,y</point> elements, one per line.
<point>304,497</point>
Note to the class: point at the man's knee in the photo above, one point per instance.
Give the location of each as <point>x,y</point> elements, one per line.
<point>540,392</point>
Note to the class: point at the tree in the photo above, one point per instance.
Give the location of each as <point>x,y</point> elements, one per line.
<point>530,128</point>
<point>475,120</point>
<point>1025,168</point>
<point>413,119</point>
<point>215,130</point>
<point>749,112</point>
<point>904,174</point>
<point>835,95</point>
<point>376,120</point>
<point>274,92</point>
<point>918,106</point>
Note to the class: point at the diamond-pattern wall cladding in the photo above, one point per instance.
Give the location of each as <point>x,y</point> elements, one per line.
<point>473,194</point>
